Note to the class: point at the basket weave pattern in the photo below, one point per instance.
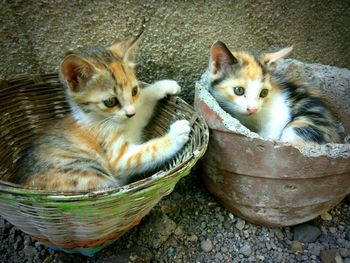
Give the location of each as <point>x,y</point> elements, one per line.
<point>82,220</point>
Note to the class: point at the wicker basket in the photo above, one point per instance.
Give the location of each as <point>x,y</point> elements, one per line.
<point>82,222</point>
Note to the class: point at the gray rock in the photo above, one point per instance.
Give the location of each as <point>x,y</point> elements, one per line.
<point>246,234</point>
<point>27,240</point>
<point>332,230</point>
<point>306,233</point>
<point>347,235</point>
<point>347,244</point>
<point>268,246</point>
<point>340,241</point>
<point>224,249</point>
<point>323,230</point>
<point>220,218</point>
<point>315,248</point>
<point>278,233</point>
<point>246,250</point>
<point>260,258</point>
<point>240,224</point>
<point>227,224</point>
<point>206,245</point>
<point>219,256</point>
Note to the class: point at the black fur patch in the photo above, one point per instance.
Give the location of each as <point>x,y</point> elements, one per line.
<point>308,108</point>
<point>310,134</point>
<point>217,81</point>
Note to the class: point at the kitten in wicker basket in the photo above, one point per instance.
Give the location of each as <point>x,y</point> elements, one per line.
<point>99,144</point>
<point>275,107</point>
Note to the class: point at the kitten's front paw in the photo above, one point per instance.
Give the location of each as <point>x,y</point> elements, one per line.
<point>180,131</point>
<point>168,87</point>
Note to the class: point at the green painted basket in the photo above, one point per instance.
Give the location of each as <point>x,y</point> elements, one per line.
<point>81,222</point>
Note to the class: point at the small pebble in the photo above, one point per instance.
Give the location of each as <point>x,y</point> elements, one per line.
<point>326,216</point>
<point>347,235</point>
<point>246,250</point>
<point>224,249</point>
<point>324,230</point>
<point>166,209</point>
<point>178,231</point>
<point>212,204</point>
<point>231,216</point>
<point>206,245</point>
<point>246,234</point>
<point>227,224</point>
<point>297,246</point>
<point>332,230</point>
<point>268,246</point>
<point>240,224</point>
<point>219,256</point>
<point>220,218</point>
<point>262,258</point>
<point>315,248</point>
<point>193,238</point>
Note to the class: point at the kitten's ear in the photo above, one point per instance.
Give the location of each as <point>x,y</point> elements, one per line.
<point>221,57</point>
<point>270,58</point>
<point>125,48</point>
<point>76,71</point>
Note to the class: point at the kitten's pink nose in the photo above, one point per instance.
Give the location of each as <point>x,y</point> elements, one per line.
<point>252,110</point>
<point>129,111</point>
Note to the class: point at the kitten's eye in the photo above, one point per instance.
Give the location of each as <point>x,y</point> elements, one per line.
<point>264,93</point>
<point>111,102</point>
<point>239,91</point>
<point>134,91</point>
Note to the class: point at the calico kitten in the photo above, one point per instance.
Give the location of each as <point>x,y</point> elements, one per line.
<point>275,107</point>
<point>99,144</point>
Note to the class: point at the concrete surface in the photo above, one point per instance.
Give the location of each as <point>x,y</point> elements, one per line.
<point>36,34</point>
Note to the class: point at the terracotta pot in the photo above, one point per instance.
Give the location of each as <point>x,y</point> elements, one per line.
<point>266,182</point>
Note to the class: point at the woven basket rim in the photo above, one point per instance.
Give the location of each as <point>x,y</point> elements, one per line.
<point>134,186</point>
<point>185,165</point>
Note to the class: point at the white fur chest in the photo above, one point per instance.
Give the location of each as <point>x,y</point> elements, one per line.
<point>275,116</point>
